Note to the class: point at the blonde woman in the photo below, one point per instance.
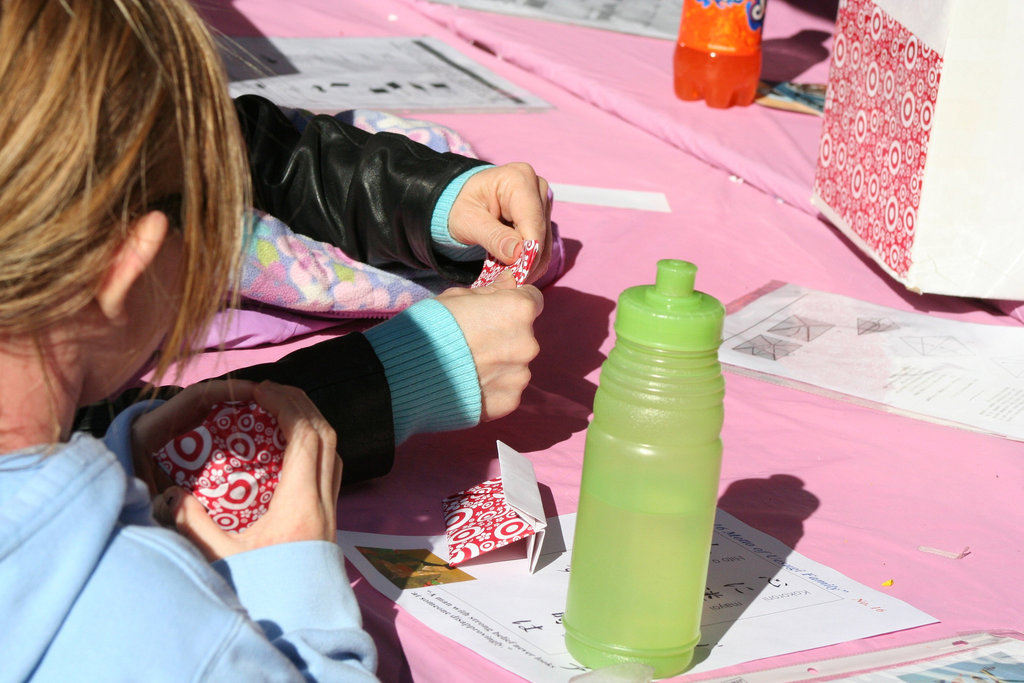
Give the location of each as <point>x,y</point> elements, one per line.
<point>122,185</point>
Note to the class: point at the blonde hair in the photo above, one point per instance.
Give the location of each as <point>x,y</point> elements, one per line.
<point>110,109</point>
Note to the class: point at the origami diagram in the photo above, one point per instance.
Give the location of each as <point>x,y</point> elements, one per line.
<point>872,325</point>
<point>799,327</point>
<point>937,346</point>
<point>1012,364</point>
<point>766,347</point>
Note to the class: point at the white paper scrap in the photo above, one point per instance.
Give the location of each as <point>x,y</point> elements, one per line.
<point>762,599</point>
<point>989,657</point>
<point>604,196</point>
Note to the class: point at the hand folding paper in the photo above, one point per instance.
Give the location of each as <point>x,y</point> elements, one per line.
<point>520,269</point>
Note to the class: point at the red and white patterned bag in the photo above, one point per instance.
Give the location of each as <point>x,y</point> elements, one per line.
<point>920,152</point>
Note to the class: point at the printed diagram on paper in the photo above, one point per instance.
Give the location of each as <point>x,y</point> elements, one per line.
<point>966,374</point>
<point>654,18</point>
<point>390,74</point>
<point>762,598</point>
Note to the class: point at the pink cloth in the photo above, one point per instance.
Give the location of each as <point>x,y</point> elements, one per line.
<point>636,86</point>
<point>1014,309</point>
<point>854,488</point>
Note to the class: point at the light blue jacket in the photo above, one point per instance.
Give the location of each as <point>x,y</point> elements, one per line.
<point>91,589</point>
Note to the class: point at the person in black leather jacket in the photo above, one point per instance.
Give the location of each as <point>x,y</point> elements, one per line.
<point>387,200</point>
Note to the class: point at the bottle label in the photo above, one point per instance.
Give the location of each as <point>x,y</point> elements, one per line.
<point>726,26</point>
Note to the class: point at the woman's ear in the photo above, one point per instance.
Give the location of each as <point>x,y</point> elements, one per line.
<point>145,237</point>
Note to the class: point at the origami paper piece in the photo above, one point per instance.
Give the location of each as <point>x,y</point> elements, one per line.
<point>231,462</point>
<point>520,269</point>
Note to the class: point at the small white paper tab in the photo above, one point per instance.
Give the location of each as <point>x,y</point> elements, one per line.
<point>616,199</point>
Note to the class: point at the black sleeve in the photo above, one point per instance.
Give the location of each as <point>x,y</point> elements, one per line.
<point>371,195</point>
<point>343,378</point>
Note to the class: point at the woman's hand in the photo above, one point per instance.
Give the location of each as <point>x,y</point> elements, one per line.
<point>500,207</point>
<point>304,504</point>
<point>497,322</point>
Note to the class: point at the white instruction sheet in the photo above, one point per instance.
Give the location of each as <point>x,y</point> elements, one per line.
<point>387,74</point>
<point>762,598</point>
<point>964,374</point>
<point>654,18</point>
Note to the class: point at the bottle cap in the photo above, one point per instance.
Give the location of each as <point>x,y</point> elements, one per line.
<point>670,314</point>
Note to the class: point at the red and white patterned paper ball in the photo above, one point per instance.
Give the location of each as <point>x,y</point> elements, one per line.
<point>231,463</point>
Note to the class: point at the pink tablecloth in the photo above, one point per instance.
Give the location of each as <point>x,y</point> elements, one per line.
<point>853,488</point>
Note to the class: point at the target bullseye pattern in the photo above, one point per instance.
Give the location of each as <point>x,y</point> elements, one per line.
<point>479,519</point>
<point>231,463</point>
<point>883,87</point>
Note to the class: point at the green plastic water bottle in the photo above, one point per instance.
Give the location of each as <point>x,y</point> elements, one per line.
<point>650,481</point>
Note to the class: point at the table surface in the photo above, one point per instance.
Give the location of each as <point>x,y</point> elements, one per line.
<point>851,487</point>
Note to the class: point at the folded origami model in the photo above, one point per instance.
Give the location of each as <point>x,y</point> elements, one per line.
<point>497,512</point>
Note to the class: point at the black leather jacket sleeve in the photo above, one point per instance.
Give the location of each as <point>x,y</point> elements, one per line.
<point>371,195</point>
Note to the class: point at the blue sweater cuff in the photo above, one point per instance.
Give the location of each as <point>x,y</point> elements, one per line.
<point>443,240</point>
<point>429,369</point>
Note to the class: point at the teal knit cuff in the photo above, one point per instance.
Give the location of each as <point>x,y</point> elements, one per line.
<point>443,240</point>
<point>430,370</point>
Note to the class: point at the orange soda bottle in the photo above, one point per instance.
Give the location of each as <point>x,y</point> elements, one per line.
<point>718,54</point>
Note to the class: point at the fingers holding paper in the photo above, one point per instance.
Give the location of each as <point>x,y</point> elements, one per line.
<point>500,208</point>
<point>303,507</point>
